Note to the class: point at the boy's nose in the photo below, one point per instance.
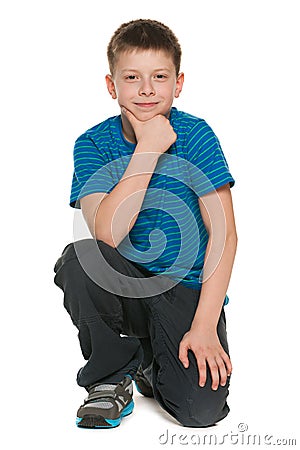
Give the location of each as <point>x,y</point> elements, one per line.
<point>146,89</point>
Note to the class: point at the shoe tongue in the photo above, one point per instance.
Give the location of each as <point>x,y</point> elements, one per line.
<point>105,387</point>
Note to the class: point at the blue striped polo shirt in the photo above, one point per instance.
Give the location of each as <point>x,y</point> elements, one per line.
<point>169,236</point>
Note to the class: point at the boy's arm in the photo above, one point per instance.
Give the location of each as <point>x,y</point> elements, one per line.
<point>202,338</point>
<point>110,217</point>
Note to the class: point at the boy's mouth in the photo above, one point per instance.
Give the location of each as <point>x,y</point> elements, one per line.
<point>146,104</point>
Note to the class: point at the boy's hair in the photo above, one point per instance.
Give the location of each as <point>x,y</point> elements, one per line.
<point>143,34</point>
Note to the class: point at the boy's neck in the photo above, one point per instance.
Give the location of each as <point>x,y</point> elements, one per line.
<point>127,130</point>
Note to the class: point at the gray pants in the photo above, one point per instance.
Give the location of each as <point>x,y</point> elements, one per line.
<point>118,334</point>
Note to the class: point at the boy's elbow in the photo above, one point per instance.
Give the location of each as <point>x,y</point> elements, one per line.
<point>107,241</point>
<point>232,238</point>
<point>106,238</point>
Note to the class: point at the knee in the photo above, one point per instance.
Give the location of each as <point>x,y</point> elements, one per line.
<point>199,410</point>
<point>76,251</point>
<point>71,251</point>
<point>201,417</point>
<point>68,264</point>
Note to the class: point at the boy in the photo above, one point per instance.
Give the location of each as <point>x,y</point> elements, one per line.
<point>147,292</point>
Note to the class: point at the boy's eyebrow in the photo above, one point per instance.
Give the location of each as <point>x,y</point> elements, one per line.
<point>161,69</point>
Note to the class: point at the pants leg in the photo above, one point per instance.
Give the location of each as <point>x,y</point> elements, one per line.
<point>176,388</point>
<point>100,315</point>
<point>154,327</point>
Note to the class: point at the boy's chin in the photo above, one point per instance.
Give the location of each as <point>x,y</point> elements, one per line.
<point>148,115</point>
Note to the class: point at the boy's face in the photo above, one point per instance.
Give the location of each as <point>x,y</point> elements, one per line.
<point>145,83</point>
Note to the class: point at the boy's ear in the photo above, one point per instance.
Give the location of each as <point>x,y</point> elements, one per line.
<point>111,86</point>
<point>179,84</point>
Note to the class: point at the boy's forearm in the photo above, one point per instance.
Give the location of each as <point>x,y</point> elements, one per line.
<point>214,287</point>
<point>117,213</point>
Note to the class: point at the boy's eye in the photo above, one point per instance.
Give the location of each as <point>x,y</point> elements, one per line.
<point>160,76</point>
<point>130,77</point>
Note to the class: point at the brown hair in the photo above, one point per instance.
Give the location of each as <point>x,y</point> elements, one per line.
<point>143,34</point>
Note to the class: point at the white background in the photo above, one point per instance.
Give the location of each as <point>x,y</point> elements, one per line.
<point>241,63</point>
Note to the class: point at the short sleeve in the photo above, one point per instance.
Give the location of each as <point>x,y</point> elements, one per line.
<point>91,173</point>
<point>208,167</point>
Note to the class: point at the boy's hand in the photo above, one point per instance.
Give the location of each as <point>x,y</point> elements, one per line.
<point>208,351</point>
<point>155,134</point>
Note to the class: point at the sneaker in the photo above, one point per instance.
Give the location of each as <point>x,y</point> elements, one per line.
<point>142,384</point>
<point>106,405</point>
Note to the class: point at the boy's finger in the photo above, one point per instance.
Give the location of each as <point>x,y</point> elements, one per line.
<point>201,363</point>
<point>131,117</point>
<point>214,371</point>
<point>227,362</point>
<point>183,355</point>
<point>222,371</point>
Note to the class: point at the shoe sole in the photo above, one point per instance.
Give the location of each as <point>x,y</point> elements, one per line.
<point>97,421</point>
